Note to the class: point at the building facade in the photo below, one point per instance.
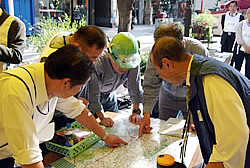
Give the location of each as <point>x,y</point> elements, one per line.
<point>96,12</point>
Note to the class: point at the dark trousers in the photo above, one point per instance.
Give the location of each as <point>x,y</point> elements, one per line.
<point>169,105</point>
<point>109,102</point>
<point>234,54</point>
<point>155,110</point>
<point>239,58</point>
<point>227,42</point>
<point>7,163</point>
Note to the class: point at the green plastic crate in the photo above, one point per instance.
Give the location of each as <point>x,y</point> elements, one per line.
<point>70,152</point>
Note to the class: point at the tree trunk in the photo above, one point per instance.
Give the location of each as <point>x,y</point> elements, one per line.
<point>187,19</point>
<point>125,15</point>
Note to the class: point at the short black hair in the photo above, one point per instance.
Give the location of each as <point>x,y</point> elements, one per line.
<point>91,35</point>
<point>236,3</point>
<point>69,62</point>
<point>167,47</point>
<point>170,30</point>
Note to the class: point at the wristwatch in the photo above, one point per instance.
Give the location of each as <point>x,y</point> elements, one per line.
<point>137,111</point>
<point>105,136</point>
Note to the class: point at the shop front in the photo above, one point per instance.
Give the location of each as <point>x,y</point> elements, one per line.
<point>76,9</point>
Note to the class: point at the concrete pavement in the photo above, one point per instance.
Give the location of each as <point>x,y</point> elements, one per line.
<point>143,33</point>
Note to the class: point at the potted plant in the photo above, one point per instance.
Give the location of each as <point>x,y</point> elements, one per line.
<point>48,26</point>
<point>203,25</point>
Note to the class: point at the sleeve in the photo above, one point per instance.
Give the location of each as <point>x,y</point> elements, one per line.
<point>194,46</point>
<point>134,85</point>
<point>206,53</point>
<point>151,86</point>
<point>16,43</point>
<point>70,107</point>
<point>223,21</point>
<point>19,127</point>
<point>239,37</point>
<point>94,94</point>
<point>228,115</point>
<point>198,48</point>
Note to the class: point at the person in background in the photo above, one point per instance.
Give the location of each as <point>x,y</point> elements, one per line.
<point>171,98</point>
<point>218,99</point>
<point>12,41</point>
<point>23,89</point>
<point>121,65</point>
<point>228,23</point>
<point>133,21</point>
<point>243,39</point>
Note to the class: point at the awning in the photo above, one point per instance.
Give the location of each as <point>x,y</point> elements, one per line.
<point>243,4</point>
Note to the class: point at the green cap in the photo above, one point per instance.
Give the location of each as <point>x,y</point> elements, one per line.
<point>124,50</point>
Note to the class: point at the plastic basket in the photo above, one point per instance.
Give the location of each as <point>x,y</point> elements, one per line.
<point>70,152</point>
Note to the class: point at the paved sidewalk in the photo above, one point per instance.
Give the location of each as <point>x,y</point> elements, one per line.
<point>143,33</point>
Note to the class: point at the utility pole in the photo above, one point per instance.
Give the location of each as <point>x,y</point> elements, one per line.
<point>11,7</point>
<point>141,11</point>
<point>201,6</point>
<point>187,19</point>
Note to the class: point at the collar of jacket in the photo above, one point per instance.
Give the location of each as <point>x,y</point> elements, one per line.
<point>230,14</point>
<point>1,11</point>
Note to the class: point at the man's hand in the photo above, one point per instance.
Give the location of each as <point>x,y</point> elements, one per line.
<point>85,101</point>
<point>247,48</point>
<point>247,51</point>
<point>107,122</point>
<point>145,125</point>
<point>135,118</point>
<point>192,127</point>
<point>114,141</point>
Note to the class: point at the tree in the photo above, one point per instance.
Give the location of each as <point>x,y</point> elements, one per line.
<point>125,8</point>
